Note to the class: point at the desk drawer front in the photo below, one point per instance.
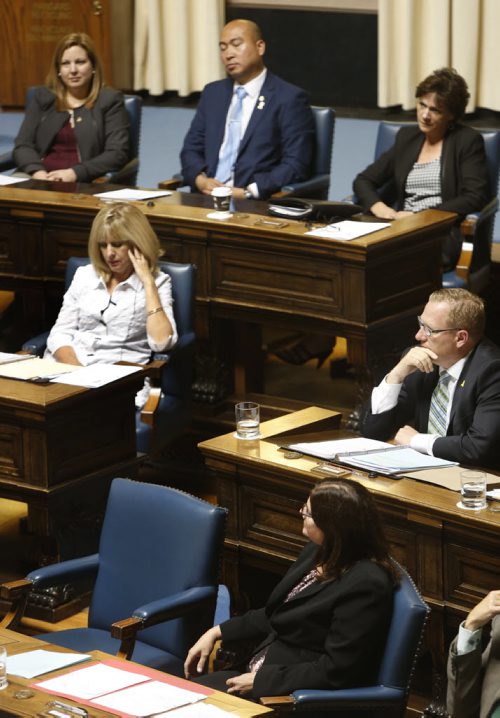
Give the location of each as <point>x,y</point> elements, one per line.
<point>270,521</point>
<point>274,282</point>
<point>472,570</point>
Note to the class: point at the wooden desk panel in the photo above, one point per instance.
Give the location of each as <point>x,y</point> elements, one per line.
<point>452,554</point>
<point>368,290</point>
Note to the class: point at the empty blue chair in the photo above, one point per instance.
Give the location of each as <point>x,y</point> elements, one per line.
<point>156,577</point>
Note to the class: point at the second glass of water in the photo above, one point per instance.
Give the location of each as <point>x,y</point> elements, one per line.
<point>247,420</point>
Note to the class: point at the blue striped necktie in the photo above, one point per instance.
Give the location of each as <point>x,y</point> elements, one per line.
<point>439,406</point>
<point>229,153</point>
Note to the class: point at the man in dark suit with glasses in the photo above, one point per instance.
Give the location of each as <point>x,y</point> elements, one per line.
<point>443,397</point>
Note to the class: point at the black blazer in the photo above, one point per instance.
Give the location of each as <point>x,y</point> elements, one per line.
<point>102,134</point>
<point>465,184</point>
<point>278,144</point>
<point>330,635</point>
<point>473,435</point>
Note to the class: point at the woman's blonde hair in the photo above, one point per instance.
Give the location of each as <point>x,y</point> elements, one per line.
<point>54,82</point>
<point>120,222</point>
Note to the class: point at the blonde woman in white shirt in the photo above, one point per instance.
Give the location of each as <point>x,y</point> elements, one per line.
<point>119,307</point>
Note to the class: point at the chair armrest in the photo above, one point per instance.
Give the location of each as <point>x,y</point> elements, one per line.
<point>16,593</point>
<point>472,221</point>
<point>36,345</point>
<point>355,697</point>
<point>65,572</point>
<point>171,184</point>
<point>165,609</point>
<point>149,409</point>
<point>277,702</point>
<point>174,606</point>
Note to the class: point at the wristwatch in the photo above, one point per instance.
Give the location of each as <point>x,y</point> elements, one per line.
<point>248,194</point>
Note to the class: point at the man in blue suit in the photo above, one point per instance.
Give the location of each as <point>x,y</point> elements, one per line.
<point>275,126</point>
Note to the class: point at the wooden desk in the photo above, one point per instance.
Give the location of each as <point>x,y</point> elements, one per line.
<point>452,554</point>
<point>249,273</point>
<point>60,446</point>
<point>10,706</point>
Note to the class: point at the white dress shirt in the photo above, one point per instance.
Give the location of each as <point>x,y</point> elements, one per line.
<point>104,328</point>
<point>385,397</point>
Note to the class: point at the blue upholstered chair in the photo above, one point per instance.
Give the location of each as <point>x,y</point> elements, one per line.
<point>169,411</point>
<point>388,697</point>
<point>318,184</point>
<point>473,267</point>
<point>127,175</point>
<point>157,566</point>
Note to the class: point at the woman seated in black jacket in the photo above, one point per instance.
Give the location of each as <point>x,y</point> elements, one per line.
<point>75,129</point>
<point>325,623</point>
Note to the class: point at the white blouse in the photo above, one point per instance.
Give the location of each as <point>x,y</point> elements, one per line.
<point>106,328</point>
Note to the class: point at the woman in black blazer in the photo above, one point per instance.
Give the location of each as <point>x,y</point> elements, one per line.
<point>325,623</point>
<point>439,163</point>
<point>75,129</point>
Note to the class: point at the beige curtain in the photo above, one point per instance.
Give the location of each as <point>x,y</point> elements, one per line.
<point>176,44</point>
<point>416,37</point>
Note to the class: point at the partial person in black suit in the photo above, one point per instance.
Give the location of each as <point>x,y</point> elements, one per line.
<point>450,337</point>
<point>325,623</point>
<point>276,129</point>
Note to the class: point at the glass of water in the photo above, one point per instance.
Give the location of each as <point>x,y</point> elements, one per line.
<point>3,668</point>
<point>473,490</point>
<point>247,420</point>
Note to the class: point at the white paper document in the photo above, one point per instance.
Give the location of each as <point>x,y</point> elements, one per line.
<point>35,368</point>
<point>8,358</point>
<point>127,194</point>
<point>148,698</point>
<point>7,179</point>
<point>347,229</point>
<point>93,681</point>
<point>95,375</point>
<point>396,460</point>
<point>38,662</point>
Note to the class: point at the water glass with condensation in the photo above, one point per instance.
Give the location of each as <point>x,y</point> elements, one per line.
<point>247,420</point>
<point>473,489</point>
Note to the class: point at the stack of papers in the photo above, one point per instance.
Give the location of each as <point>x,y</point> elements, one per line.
<point>128,691</point>
<point>372,455</point>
